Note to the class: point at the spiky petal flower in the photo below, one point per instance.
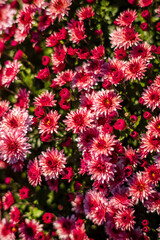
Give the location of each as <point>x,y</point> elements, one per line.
<point>10,72</point>
<point>25,19</point>
<point>14,146</point>
<point>45,99</point>
<point>142,50</point>
<point>52,163</point>
<point>6,17</point>
<point>149,143</point>
<point>135,68</point>
<point>126,18</point>
<point>124,37</point>
<point>151,97</point>
<point>49,123</point>
<point>29,229</point>
<point>78,120</point>
<point>85,13</point>
<point>103,144</point>
<point>22,98</point>
<point>5,230</point>
<point>140,187</point>
<point>58,8</point>
<point>124,219</point>
<point>64,227</point>
<point>76,31</point>
<point>4,107</point>
<point>154,126</point>
<point>106,101</point>
<point>7,200</point>
<point>101,169</point>
<point>34,172</point>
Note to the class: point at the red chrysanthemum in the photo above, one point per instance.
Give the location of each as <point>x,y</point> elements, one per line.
<point>34,172</point>
<point>45,99</point>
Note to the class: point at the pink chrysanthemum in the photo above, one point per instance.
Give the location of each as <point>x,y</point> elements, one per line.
<point>64,227</point>
<point>6,17</point>
<point>25,19</point>
<point>22,98</point>
<point>142,50</point>
<point>140,188</point>
<point>85,13</point>
<point>52,163</point>
<point>17,119</point>
<point>120,199</point>
<point>107,101</point>
<point>95,207</point>
<point>76,31</point>
<point>14,146</point>
<point>124,37</point>
<point>59,8</point>
<point>83,80</point>
<point>34,172</point>
<point>29,229</point>
<point>77,204</point>
<point>151,97</point>
<point>59,55</point>
<point>15,215</point>
<point>45,99</point>
<point>49,123</point>
<point>126,18</point>
<point>135,68</point>
<point>103,144</point>
<point>145,3</point>
<point>5,230</point>
<point>153,173</point>
<point>9,72</point>
<point>4,107</point>
<point>20,36</point>
<point>85,138</point>
<point>86,100</point>
<point>101,169</point>
<point>7,200</point>
<point>64,77</point>
<point>124,219</point>
<point>153,203</point>
<point>153,126</point>
<point>150,144</point>
<point>78,120</point>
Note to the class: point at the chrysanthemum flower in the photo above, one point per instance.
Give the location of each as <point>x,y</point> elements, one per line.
<point>78,120</point>
<point>59,55</point>
<point>22,98</point>
<point>124,219</point>
<point>15,215</point>
<point>145,3</point>
<point>142,50</point>
<point>4,107</point>
<point>45,99</point>
<point>7,200</point>
<point>149,143</point>
<point>64,226</point>
<point>14,146</point>
<point>34,172</point>
<point>7,14</point>
<point>103,144</point>
<point>17,119</point>
<point>5,230</point>
<point>140,188</point>
<point>154,126</point>
<point>20,36</point>
<point>153,203</point>
<point>29,228</point>
<point>126,18</point>
<point>83,80</point>
<point>135,68</point>
<point>77,204</point>
<point>76,31</point>
<point>107,101</point>
<point>64,77</point>
<point>85,138</point>
<point>95,207</point>
<point>151,97</point>
<point>124,37</point>
<point>9,72</point>
<point>52,163</point>
<point>49,123</point>
<point>58,8</point>
<point>101,169</point>
<point>25,19</point>
<point>153,173</point>
<point>85,13</point>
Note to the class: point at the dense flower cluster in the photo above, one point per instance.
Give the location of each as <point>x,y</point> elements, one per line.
<point>79,120</point>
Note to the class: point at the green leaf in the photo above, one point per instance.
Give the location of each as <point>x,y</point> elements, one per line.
<point>37,212</point>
